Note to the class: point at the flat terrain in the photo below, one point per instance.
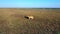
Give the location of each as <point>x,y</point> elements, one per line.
<point>46,21</point>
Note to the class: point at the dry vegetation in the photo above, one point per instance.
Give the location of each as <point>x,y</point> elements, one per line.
<point>46,21</point>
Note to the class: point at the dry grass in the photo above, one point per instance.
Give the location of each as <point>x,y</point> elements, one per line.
<point>12,21</point>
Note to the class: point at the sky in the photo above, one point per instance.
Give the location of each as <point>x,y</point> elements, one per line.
<point>29,3</point>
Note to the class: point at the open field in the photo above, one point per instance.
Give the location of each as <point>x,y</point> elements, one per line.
<point>46,21</point>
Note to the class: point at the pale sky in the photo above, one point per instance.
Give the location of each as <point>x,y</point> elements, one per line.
<point>29,3</point>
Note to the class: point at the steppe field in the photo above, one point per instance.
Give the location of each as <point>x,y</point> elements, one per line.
<point>46,21</point>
